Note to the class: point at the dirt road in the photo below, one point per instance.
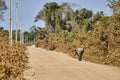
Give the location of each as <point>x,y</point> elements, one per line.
<point>51,65</point>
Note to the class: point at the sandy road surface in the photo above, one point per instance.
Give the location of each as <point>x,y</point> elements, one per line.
<point>50,65</point>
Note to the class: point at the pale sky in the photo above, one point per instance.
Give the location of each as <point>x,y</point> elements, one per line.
<point>28,9</point>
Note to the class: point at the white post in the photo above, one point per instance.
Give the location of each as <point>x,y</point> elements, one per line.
<point>20,33</point>
<point>16,21</point>
<point>10,33</point>
<point>23,37</point>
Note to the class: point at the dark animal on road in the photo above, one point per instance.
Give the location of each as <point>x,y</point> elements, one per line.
<point>79,52</point>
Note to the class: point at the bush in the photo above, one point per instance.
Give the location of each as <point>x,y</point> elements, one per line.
<point>13,60</point>
<point>69,36</point>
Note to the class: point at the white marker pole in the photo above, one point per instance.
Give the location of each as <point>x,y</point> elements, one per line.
<point>10,33</point>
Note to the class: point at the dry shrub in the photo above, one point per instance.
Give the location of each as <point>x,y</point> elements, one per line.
<point>13,60</point>
<point>100,45</point>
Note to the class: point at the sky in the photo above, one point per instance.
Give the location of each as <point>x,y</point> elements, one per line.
<point>28,9</point>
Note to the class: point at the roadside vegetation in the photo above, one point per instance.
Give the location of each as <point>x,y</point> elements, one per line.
<point>66,30</point>
<point>13,60</point>
<point>97,33</point>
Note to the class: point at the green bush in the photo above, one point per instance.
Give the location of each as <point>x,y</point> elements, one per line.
<point>69,36</point>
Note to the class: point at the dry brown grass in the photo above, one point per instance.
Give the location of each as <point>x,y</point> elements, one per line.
<point>13,60</point>
<point>99,45</point>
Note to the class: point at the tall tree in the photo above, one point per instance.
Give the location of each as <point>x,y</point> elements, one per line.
<point>48,14</point>
<point>3,7</point>
<point>98,16</point>
<point>65,15</point>
<point>55,15</point>
<point>79,15</point>
<point>115,19</point>
<point>85,13</point>
<point>114,5</point>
